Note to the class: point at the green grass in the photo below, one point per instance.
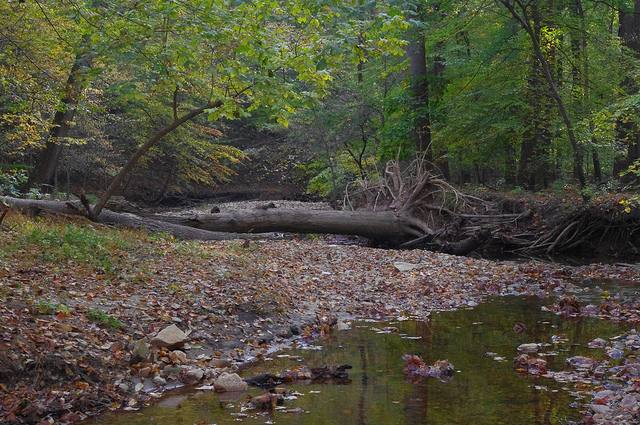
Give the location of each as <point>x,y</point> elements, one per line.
<point>104,319</point>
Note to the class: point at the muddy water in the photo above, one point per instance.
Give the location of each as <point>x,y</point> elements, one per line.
<point>484,390</point>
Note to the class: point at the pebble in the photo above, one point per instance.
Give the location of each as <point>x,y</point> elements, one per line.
<point>159,381</point>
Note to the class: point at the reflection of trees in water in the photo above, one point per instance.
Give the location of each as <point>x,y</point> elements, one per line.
<point>416,402</point>
<point>365,386</point>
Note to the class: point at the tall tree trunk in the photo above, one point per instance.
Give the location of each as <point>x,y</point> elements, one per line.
<point>421,133</point>
<point>579,73</point>
<point>47,162</point>
<point>523,18</point>
<point>628,133</point>
<point>533,171</point>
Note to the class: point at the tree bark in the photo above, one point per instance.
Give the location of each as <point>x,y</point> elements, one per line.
<point>421,132</point>
<point>387,226</point>
<point>47,162</point>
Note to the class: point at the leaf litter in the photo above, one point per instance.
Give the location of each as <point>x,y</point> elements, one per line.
<point>235,302</point>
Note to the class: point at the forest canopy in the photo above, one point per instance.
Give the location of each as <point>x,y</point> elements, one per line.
<point>176,94</point>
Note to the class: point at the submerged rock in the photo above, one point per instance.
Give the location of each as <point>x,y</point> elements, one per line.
<point>529,347</point>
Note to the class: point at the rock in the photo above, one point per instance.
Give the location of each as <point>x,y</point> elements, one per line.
<point>404,267</point>
<point>597,343</point>
<point>599,408</point>
<point>171,372</point>
<point>170,337</point>
<point>519,328</point>
<point>615,353</point>
<point>219,363</point>
<point>178,356</point>
<point>193,376</point>
<point>144,372</point>
<point>582,363</point>
<point>229,382</point>
<point>159,381</point>
<point>140,352</point>
<point>630,401</point>
<point>529,348</point>
<point>343,326</point>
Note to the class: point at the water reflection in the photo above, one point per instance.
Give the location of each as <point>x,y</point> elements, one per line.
<point>484,390</point>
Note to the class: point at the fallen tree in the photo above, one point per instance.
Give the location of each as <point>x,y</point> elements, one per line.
<point>406,213</point>
<point>393,220</point>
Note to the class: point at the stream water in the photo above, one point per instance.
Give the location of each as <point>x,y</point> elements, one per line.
<point>485,389</point>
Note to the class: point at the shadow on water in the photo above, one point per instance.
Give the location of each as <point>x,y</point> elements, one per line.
<point>484,390</point>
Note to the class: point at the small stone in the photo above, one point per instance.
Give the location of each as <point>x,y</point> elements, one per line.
<point>140,351</point>
<point>219,363</point>
<point>229,382</point>
<point>159,381</point>
<point>403,267</point>
<point>529,348</point>
<point>597,343</point>
<point>193,376</point>
<point>630,401</point>
<point>599,408</point>
<point>144,372</point>
<point>139,387</point>
<point>178,356</point>
<point>171,371</point>
<point>170,337</point>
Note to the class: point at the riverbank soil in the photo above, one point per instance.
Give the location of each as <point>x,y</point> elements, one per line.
<point>82,306</point>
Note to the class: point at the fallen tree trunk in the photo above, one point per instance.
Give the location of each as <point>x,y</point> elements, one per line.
<point>36,207</point>
<point>387,226</point>
<point>380,226</point>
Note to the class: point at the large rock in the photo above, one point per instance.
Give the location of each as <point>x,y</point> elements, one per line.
<point>170,337</point>
<point>230,382</point>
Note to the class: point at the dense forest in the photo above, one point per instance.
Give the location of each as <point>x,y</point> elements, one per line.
<point>152,99</point>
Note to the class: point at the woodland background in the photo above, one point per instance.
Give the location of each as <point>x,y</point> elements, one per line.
<point>315,96</point>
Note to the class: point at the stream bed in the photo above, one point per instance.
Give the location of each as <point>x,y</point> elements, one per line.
<point>480,342</point>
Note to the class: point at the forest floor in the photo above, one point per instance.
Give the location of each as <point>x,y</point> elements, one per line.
<point>80,302</point>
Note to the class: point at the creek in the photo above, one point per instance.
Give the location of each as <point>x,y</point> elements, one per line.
<point>480,342</point>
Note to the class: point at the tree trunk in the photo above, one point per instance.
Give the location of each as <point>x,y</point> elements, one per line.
<point>95,211</point>
<point>628,133</point>
<point>421,133</point>
<point>525,22</point>
<point>387,226</point>
<point>46,166</point>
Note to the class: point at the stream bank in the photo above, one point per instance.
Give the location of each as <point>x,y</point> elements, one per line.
<point>236,300</point>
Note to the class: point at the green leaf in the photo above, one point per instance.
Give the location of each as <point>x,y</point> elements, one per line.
<point>321,65</point>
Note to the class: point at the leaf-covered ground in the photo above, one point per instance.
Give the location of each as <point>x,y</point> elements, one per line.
<point>76,300</point>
